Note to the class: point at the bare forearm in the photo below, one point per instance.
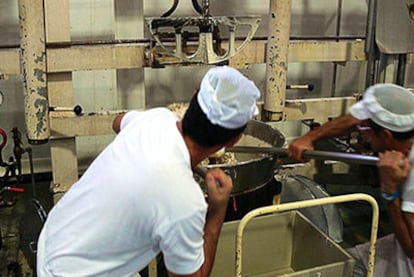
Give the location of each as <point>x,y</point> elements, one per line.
<point>336,127</point>
<point>211,235</point>
<point>116,124</point>
<point>401,227</point>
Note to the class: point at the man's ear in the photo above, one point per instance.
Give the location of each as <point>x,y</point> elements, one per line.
<point>234,140</point>
<point>387,136</point>
<point>387,133</point>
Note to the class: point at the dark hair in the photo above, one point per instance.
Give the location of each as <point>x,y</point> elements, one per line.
<point>197,126</point>
<point>397,135</point>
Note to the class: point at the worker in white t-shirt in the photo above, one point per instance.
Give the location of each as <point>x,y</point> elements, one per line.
<point>139,198</point>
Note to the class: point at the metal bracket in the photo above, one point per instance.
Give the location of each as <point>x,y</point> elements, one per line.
<point>207,52</point>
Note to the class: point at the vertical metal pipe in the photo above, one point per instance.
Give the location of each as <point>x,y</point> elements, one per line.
<point>337,33</point>
<point>277,58</point>
<point>33,64</point>
<point>206,7</point>
<point>370,44</point>
<point>402,62</point>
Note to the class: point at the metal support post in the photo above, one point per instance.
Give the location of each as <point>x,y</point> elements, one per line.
<point>33,66</point>
<point>277,58</point>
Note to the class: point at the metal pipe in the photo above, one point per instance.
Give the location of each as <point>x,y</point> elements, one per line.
<point>76,109</point>
<point>33,64</point>
<point>277,59</point>
<point>206,7</point>
<point>402,63</point>
<point>337,33</point>
<point>197,7</point>
<point>310,154</point>
<point>171,10</point>
<point>311,203</point>
<point>308,87</point>
<point>201,170</point>
<point>370,44</point>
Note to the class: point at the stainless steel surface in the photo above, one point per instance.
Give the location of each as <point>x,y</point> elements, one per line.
<point>252,170</point>
<point>308,241</point>
<point>311,154</point>
<point>394,31</point>
<point>284,244</point>
<point>325,217</point>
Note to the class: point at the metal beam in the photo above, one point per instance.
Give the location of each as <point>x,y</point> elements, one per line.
<point>117,56</point>
<point>64,124</point>
<point>319,109</point>
<point>95,57</point>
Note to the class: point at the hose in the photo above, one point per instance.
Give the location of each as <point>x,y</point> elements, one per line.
<point>171,10</point>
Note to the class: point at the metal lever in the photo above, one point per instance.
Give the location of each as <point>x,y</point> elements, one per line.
<point>310,154</point>
<point>308,87</point>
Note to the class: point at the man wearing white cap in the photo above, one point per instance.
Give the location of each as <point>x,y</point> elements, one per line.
<point>139,198</point>
<point>385,116</point>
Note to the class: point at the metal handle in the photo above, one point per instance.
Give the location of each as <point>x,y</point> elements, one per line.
<point>201,170</point>
<point>310,154</point>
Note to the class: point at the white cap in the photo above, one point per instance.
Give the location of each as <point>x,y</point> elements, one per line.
<point>227,97</point>
<point>388,105</point>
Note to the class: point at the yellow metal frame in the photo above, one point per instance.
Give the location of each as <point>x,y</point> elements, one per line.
<point>311,203</point>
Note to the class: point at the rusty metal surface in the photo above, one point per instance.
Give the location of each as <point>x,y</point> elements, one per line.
<point>88,55</point>
<point>277,59</point>
<point>33,66</point>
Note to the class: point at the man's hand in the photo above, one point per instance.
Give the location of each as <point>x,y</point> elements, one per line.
<point>297,147</point>
<point>394,168</point>
<point>219,187</point>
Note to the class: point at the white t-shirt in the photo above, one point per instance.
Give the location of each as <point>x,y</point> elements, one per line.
<point>407,199</point>
<point>136,199</point>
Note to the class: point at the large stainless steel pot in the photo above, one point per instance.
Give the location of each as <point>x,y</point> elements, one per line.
<point>252,170</point>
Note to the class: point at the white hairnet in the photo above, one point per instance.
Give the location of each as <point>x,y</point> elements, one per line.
<point>388,105</point>
<point>227,97</point>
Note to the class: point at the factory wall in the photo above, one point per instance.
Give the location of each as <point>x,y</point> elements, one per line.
<point>144,88</point>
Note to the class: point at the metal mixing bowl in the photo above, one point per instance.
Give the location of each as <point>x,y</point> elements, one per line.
<point>252,171</point>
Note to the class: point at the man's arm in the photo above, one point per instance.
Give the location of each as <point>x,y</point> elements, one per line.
<point>403,226</point>
<point>392,174</point>
<point>333,128</point>
<point>116,124</point>
<point>219,187</point>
